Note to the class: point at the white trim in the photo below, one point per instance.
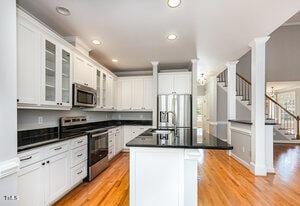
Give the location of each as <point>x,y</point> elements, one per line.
<point>241,131</point>
<point>258,170</point>
<point>9,167</point>
<point>243,162</point>
<point>287,141</point>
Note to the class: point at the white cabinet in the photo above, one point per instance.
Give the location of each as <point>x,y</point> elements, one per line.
<point>58,173</point>
<point>136,93</point>
<point>131,132</point>
<point>31,185</point>
<point>110,92</point>
<point>51,171</point>
<point>85,73</point>
<point>176,82</point>
<point>119,140</point>
<point>56,74</point>
<point>28,63</point>
<point>115,142</point>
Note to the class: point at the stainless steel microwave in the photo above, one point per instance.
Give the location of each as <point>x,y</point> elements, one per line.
<point>84,96</point>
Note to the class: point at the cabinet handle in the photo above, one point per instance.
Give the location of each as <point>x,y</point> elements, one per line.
<point>57,103</point>
<point>58,148</point>
<point>79,155</point>
<point>27,158</point>
<point>60,103</point>
<point>18,100</point>
<point>79,142</point>
<point>79,172</point>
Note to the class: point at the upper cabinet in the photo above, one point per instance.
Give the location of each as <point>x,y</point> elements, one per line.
<point>135,93</point>
<point>56,74</point>
<point>85,73</point>
<point>28,63</point>
<point>44,68</point>
<point>175,82</point>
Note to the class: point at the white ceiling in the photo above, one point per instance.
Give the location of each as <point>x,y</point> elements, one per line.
<point>134,31</point>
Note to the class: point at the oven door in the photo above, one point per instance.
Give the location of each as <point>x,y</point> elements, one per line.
<point>98,147</point>
<point>84,96</point>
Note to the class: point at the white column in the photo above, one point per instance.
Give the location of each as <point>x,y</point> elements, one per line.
<point>231,96</point>
<point>9,163</point>
<point>258,139</point>
<point>231,89</point>
<point>155,91</point>
<point>194,92</point>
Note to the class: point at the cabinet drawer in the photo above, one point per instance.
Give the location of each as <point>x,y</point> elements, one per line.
<point>30,157</point>
<point>80,141</point>
<point>78,173</point>
<point>78,155</point>
<point>111,140</point>
<point>111,152</point>
<point>56,149</point>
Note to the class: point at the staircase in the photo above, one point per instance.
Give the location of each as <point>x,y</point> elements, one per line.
<point>286,123</point>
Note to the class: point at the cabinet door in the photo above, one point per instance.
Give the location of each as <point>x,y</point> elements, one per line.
<point>50,73</point>
<point>127,134</point>
<point>28,64</point>
<point>98,83</point>
<point>165,83</point>
<point>182,82</point>
<point>90,75</point>
<point>79,68</point>
<point>126,94</point>
<point>65,86</point>
<point>137,93</point>
<point>58,173</point>
<point>104,90</point>
<point>109,93</point>
<point>119,95</point>
<point>148,93</point>
<point>31,184</point>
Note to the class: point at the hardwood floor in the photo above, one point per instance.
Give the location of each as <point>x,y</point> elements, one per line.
<point>222,181</point>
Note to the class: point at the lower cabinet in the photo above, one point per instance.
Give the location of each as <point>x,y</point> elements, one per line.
<point>49,172</point>
<point>58,176</point>
<point>131,132</point>
<point>31,185</point>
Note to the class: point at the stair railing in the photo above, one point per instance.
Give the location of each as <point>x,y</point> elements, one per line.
<point>275,112</point>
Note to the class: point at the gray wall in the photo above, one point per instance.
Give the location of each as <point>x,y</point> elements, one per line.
<point>282,56</point>
<point>242,112</point>
<point>29,119</point>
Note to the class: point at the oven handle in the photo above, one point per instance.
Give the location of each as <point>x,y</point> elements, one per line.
<point>100,134</point>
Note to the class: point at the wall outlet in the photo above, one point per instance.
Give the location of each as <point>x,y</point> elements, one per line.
<point>40,120</point>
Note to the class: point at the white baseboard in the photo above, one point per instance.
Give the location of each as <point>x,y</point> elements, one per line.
<point>9,167</point>
<point>258,170</point>
<point>243,162</point>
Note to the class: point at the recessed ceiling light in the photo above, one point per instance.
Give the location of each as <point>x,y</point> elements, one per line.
<point>97,42</point>
<point>63,11</point>
<point>172,37</point>
<point>174,3</point>
<point>114,60</point>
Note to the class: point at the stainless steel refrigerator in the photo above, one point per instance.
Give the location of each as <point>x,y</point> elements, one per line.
<point>174,105</point>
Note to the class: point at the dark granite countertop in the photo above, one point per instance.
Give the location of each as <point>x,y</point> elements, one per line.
<point>29,139</point>
<point>186,138</point>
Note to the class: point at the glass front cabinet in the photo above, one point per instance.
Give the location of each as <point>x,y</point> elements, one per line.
<point>56,75</point>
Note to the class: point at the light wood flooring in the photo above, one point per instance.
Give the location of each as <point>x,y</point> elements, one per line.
<point>222,181</point>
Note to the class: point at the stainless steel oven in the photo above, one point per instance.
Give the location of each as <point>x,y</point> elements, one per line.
<point>84,96</point>
<point>97,152</point>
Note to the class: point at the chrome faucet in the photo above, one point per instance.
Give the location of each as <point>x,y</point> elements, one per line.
<point>173,119</point>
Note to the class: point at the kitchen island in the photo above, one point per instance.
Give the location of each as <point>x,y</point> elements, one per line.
<point>163,166</point>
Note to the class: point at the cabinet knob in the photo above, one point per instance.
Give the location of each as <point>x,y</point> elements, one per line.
<point>60,103</point>
<point>57,103</point>
<point>43,163</point>
<point>48,162</point>
<point>18,100</point>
